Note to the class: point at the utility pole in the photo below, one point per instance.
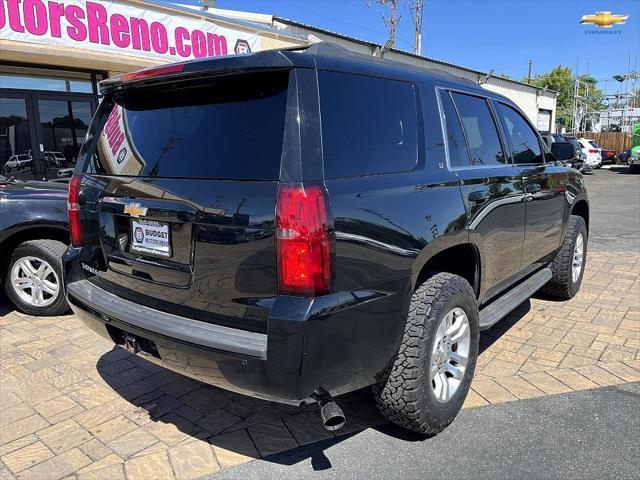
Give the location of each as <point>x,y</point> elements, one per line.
<point>627,97</point>
<point>417,11</point>
<point>393,22</point>
<point>529,74</point>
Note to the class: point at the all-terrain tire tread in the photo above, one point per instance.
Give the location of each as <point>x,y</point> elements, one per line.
<point>401,399</point>
<point>561,284</point>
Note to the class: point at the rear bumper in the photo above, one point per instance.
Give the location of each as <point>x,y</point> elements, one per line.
<point>340,342</point>
<point>130,315</point>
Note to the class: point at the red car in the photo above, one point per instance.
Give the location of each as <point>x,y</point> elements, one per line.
<point>608,156</point>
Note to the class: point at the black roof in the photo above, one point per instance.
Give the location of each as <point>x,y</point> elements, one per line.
<point>323,55</point>
<point>330,56</point>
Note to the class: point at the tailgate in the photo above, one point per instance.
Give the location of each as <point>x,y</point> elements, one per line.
<point>179,192</point>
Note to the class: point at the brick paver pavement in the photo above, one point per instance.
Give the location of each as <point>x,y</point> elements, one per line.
<point>71,406</point>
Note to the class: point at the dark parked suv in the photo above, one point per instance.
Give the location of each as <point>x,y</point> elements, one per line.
<point>34,234</point>
<point>297,224</point>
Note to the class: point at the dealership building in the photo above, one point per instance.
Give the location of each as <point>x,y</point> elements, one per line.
<point>53,54</point>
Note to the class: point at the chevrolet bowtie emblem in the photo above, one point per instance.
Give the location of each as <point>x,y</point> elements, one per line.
<point>135,210</point>
<point>604,19</point>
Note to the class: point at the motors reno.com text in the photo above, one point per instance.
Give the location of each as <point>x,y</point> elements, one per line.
<point>93,22</point>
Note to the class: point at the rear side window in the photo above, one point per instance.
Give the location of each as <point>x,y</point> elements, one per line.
<point>523,141</point>
<point>369,125</point>
<point>229,128</point>
<point>458,152</point>
<point>480,130</point>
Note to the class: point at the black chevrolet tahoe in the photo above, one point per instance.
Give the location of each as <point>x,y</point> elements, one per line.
<point>297,224</point>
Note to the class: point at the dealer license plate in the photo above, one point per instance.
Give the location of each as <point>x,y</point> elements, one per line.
<point>150,237</point>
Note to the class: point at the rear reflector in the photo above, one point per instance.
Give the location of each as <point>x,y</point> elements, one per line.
<point>304,238</point>
<point>73,206</point>
<point>153,72</point>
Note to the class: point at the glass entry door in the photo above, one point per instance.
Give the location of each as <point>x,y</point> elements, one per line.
<point>17,137</point>
<point>41,133</point>
<point>62,126</point>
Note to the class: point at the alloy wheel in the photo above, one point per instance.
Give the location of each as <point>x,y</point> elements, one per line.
<point>578,258</point>
<point>450,354</point>
<point>35,281</point>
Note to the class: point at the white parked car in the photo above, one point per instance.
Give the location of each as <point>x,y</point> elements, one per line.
<point>17,161</point>
<point>55,158</point>
<point>594,157</point>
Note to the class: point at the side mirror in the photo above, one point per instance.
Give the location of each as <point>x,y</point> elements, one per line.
<point>551,158</point>
<point>563,151</point>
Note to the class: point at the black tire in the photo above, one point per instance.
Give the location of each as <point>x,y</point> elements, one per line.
<point>634,168</point>
<point>405,395</point>
<point>51,252</point>
<point>562,286</point>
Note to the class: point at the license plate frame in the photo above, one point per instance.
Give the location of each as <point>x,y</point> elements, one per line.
<point>142,240</point>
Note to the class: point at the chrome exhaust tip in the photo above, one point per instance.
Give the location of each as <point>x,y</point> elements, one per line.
<point>332,415</point>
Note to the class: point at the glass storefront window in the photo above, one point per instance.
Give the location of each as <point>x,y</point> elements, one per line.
<point>27,78</point>
<point>63,125</point>
<point>15,136</point>
<point>44,117</point>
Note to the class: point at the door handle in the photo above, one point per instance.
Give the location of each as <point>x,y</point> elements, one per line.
<point>532,188</point>
<point>479,196</point>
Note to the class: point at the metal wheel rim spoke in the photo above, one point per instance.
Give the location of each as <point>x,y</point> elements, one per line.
<point>458,359</point>
<point>49,287</point>
<point>450,354</point>
<point>35,281</point>
<point>26,266</point>
<point>22,283</point>
<point>578,258</point>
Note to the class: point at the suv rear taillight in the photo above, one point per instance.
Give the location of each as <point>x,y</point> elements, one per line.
<point>73,205</point>
<point>305,240</point>
<point>593,151</point>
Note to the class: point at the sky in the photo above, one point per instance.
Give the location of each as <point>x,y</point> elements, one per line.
<point>493,34</point>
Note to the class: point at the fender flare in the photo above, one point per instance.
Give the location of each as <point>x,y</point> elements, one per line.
<point>440,245</point>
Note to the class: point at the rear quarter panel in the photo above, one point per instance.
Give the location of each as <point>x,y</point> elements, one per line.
<point>20,212</point>
<point>576,191</point>
<point>387,228</point>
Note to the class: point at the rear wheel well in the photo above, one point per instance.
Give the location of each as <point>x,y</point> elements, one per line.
<point>462,260</point>
<point>35,233</point>
<point>581,209</point>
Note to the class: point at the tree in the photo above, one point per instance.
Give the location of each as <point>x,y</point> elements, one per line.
<point>391,20</point>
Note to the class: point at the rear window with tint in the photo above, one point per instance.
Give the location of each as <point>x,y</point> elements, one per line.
<point>229,128</point>
<point>369,125</point>
<point>480,129</point>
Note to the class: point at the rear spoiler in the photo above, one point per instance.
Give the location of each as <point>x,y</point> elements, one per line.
<point>214,66</point>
